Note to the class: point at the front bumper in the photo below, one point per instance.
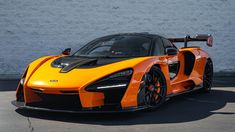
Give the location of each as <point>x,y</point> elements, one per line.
<point>21,105</point>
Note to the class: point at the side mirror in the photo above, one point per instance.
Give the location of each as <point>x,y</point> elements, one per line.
<point>66,51</point>
<point>171,51</point>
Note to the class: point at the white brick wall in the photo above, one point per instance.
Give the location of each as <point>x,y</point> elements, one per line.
<point>30,29</point>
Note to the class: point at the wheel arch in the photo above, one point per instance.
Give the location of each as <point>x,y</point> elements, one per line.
<point>165,70</point>
<point>130,97</point>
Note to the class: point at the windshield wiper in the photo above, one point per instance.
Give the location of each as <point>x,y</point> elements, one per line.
<point>110,56</point>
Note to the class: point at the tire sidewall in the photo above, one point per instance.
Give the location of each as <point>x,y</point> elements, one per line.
<point>208,89</point>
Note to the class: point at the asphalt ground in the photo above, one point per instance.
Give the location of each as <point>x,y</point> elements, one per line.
<point>193,112</point>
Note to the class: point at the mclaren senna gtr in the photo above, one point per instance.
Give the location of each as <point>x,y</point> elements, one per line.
<point>116,73</point>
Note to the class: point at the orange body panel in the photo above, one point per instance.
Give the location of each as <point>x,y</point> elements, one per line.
<point>40,73</point>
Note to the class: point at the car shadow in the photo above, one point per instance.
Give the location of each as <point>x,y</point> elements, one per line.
<point>184,108</point>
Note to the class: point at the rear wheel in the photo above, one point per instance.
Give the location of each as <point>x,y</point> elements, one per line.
<point>152,91</point>
<point>208,76</point>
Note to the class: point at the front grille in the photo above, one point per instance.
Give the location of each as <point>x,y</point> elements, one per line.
<point>58,102</point>
<point>114,96</point>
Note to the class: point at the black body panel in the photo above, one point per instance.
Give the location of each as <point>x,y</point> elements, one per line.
<point>20,93</point>
<point>189,60</point>
<point>174,69</point>
<point>50,101</point>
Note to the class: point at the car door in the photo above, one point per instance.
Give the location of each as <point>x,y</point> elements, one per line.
<point>172,60</point>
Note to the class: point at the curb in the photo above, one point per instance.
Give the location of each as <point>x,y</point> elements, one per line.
<point>10,76</point>
<point>224,74</point>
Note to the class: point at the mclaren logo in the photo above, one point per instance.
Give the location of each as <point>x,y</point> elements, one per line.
<point>53,81</point>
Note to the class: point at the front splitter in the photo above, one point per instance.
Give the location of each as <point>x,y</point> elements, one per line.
<point>21,105</point>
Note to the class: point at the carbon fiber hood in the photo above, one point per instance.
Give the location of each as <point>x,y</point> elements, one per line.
<point>68,63</point>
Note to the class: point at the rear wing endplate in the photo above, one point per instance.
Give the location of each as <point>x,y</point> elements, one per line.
<point>200,37</point>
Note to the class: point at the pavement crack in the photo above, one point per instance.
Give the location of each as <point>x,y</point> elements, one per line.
<point>30,125</point>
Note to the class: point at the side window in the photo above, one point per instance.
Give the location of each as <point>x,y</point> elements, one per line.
<point>167,43</point>
<point>158,47</point>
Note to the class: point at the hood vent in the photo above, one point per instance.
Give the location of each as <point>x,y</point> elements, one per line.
<point>75,64</point>
<point>69,63</point>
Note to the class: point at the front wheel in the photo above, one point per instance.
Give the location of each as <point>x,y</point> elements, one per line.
<point>208,76</point>
<point>153,88</point>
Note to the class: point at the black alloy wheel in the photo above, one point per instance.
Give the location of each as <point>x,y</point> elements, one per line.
<point>153,88</point>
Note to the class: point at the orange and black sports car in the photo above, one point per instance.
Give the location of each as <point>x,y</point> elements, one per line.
<point>121,72</point>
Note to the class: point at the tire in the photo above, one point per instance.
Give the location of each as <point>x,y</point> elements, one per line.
<point>208,76</point>
<point>153,88</point>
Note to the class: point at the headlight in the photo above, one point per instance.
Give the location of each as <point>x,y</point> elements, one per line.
<point>117,80</point>
<point>22,81</point>
<point>112,86</point>
<point>122,73</point>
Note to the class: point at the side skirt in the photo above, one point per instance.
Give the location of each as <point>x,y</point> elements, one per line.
<point>187,91</point>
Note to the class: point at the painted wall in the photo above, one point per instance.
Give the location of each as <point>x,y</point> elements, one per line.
<point>30,29</point>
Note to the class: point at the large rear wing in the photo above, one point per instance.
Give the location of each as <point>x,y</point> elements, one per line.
<point>200,37</point>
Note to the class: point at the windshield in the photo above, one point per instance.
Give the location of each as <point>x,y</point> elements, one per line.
<point>116,46</point>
